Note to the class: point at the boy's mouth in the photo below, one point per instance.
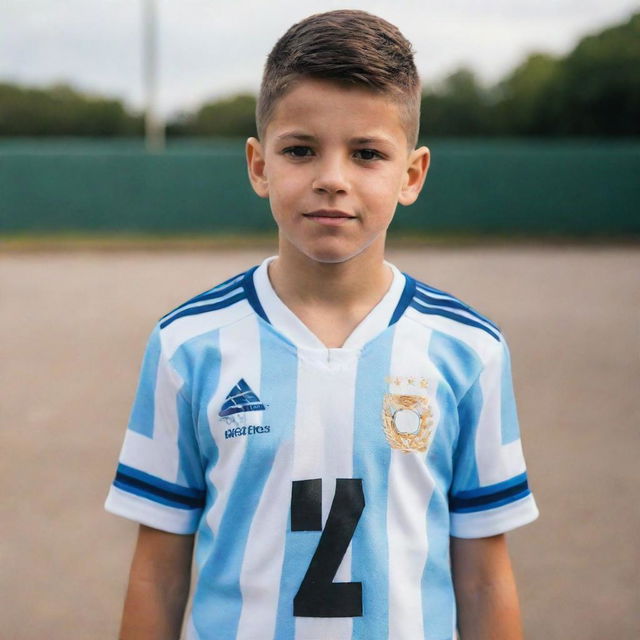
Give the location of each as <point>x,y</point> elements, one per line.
<point>329,216</point>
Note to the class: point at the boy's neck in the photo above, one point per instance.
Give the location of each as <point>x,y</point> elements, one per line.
<point>361,281</point>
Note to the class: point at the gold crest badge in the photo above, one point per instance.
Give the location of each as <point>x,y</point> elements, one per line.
<point>407,422</point>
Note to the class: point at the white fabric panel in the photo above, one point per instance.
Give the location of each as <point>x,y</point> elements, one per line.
<point>480,341</point>
<point>240,358</point>
<point>324,449</point>
<point>159,455</point>
<point>491,522</point>
<point>262,564</point>
<point>513,463</point>
<point>489,430</point>
<point>156,456</point>
<point>495,462</point>
<point>158,516</point>
<point>309,441</point>
<point>187,327</point>
<point>410,489</point>
<point>338,440</point>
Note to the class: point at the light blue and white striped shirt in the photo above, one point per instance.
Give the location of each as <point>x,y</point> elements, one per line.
<point>323,483</point>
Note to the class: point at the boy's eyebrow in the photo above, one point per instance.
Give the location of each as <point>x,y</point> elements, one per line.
<point>305,137</point>
<point>371,140</point>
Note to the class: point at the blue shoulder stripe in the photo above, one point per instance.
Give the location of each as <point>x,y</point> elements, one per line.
<point>242,284</point>
<point>490,497</point>
<point>251,294</point>
<point>436,311</point>
<point>451,303</point>
<point>217,292</point>
<point>204,308</point>
<point>405,298</point>
<point>158,490</point>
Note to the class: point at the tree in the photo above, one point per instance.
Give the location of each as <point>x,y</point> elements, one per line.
<point>457,106</point>
<point>61,110</point>
<point>524,98</point>
<point>599,84</point>
<point>234,116</point>
<point>593,90</point>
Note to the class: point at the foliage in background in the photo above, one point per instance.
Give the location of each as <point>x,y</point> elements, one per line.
<point>594,90</point>
<point>232,117</point>
<point>457,106</point>
<point>60,111</point>
<point>599,83</point>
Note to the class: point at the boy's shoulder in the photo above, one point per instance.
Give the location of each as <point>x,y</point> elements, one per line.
<point>447,314</point>
<point>219,306</point>
<point>235,298</point>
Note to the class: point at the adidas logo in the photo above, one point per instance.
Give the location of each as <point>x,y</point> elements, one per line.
<point>240,398</point>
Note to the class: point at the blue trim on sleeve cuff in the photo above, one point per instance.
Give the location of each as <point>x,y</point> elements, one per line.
<point>148,486</point>
<point>490,497</point>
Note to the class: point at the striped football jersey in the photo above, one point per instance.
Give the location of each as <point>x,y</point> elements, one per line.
<point>323,483</point>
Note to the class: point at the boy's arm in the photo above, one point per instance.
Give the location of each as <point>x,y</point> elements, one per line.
<point>486,596</point>
<point>158,586</point>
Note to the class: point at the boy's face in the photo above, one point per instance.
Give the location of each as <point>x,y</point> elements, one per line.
<point>334,163</point>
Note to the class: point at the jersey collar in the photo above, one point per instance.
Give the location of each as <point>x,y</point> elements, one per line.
<point>271,308</point>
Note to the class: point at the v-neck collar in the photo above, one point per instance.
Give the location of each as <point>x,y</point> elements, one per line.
<point>271,308</point>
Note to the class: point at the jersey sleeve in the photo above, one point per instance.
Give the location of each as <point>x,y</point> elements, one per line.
<point>490,492</point>
<point>159,480</point>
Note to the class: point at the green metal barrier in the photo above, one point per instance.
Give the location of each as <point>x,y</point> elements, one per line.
<point>583,187</point>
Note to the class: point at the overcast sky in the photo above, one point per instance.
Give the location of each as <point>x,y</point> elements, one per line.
<point>211,48</point>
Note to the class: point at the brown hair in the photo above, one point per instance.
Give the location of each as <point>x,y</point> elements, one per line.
<point>351,47</point>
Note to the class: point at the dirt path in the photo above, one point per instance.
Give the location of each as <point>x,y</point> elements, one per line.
<point>73,331</point>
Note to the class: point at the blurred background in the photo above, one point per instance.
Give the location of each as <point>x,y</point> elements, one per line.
<point>531,109</point>
<point>123,191</point>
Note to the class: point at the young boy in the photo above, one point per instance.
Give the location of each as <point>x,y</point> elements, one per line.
<point>342,438</point>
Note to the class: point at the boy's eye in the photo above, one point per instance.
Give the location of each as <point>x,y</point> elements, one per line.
<point>297,152</point>
<point>368,154</point>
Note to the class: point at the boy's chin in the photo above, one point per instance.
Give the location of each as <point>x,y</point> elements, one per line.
<point>332,256</point>
<point>328,253</point>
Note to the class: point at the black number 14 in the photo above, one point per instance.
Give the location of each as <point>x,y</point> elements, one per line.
<point>318,596</point>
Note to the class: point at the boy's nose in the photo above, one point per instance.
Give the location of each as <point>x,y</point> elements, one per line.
<point>330,177</point>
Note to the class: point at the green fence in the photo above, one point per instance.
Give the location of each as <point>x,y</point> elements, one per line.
<point>582,187</point>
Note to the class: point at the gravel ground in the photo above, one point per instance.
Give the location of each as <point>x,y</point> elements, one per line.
<point>74,327</point>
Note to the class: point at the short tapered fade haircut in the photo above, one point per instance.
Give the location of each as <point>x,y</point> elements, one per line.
<point>351,48</point>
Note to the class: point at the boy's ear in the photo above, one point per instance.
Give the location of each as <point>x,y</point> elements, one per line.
<point>256,167</point>
<point>417,168</point>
